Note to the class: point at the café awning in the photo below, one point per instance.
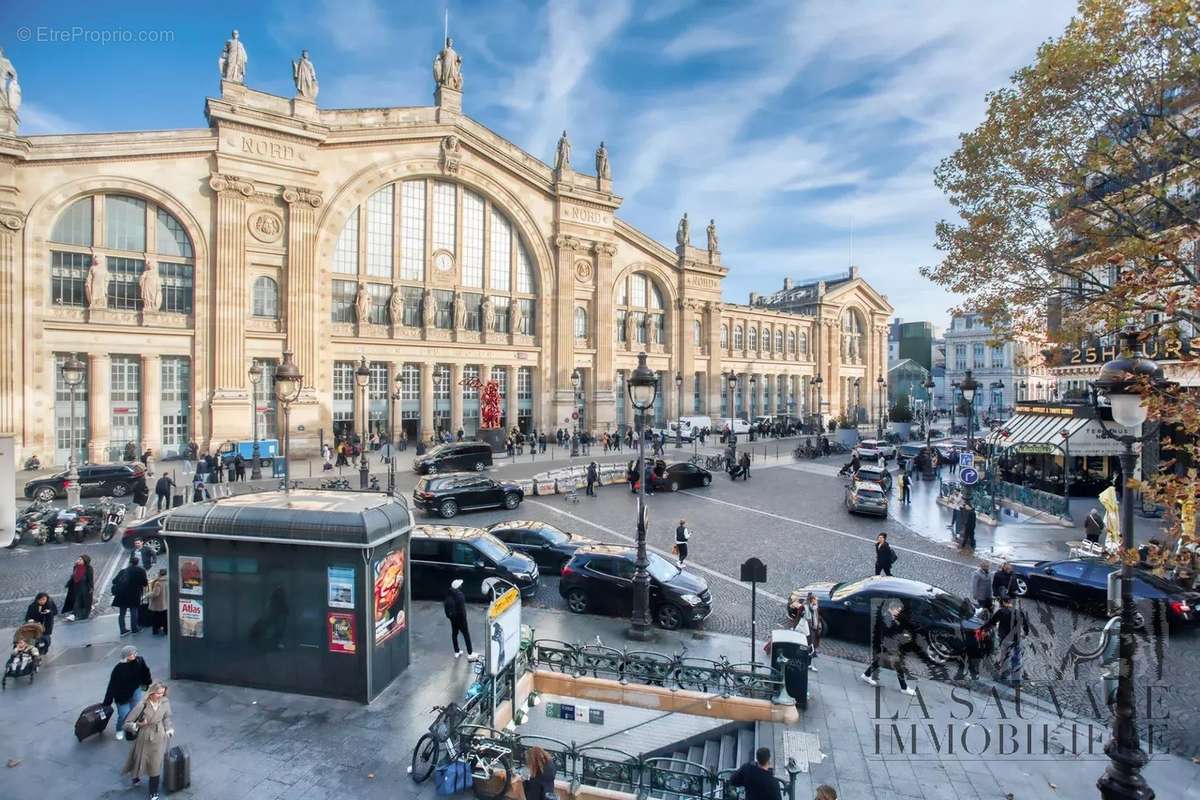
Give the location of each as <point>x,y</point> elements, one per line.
<point>1030,433</point>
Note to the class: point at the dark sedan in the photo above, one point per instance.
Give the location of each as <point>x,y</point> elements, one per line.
<point>600,578</point>
<point>448,494</point>
<point>944,625</point>
<point>682,475</point>
<point>550,547</point>
<point>95,480</point>
<point>1083,583</point>
<point>149,530</point>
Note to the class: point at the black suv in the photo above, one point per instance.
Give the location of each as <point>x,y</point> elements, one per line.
<point>95,480</point>
<point>600,578</point>
<point>453,457</point>
<point>550,547</point>
<point>442,553</point>
<point>448,494</point>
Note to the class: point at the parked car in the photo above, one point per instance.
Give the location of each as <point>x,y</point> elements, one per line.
<point>866,498</point>
<point>869,473</point>
<point>550,547</point>
<point>682,475</point>
<point>599,578</point>
<point>691,426</point>
<point>465,491</point>
<point>1083,583</point>
<point>268,449</point>
<point>907,452</point>
<point>94,480</point>
<point>443,553</point>
<point>943,625</point>
<point>738,426</point>
<point>453,457</point>
<point>871,449</point>
<point>149,530</point>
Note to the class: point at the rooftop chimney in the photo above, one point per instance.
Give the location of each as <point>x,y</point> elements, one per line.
<point>753,298</point>
<point>787,283</point>
<point>853,272</point>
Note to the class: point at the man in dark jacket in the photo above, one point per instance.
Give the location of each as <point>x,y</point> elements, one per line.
<point>756,778</point>
<point>592,477</point>
<point>744,463</point>
<point>1004,583</point>
<point>162,490</point>
<point>127,588</point>
<point>125,684</point>
<point>1011,624</point>
<point>893,628</point>
<point>1093,526</point>
<point>884,555</point>
<point>455,607</point>
<point>968,527</point>
<point>141,496</point>
<point>905,488</point>
<point>145,556</point>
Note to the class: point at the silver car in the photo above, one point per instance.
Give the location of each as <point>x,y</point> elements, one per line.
<point>866,498</point>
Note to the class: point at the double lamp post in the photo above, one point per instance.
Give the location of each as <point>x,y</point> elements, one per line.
<point>643,389</point>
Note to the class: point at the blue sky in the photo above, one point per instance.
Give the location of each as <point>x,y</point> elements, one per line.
<point>792,123</point>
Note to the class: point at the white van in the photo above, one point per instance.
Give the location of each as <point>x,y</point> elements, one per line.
<point>738,426</point>
<point>691,426</point>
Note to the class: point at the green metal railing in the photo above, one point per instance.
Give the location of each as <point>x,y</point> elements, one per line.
<point>1034,498</point>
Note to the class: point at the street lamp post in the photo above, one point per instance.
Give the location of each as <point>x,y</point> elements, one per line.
<point>72,374</point>
<point>288,384</point>
<point>732,382</point>
<point>882,385</point>
<point>362,376</point>
<point>968,387</point>
<point>1119,379</point>
<point>395,398</point>
<point>817,381</point>
<point>643,388</point>
<point>857,400</point>
<point>679,405</point>
<point>576,381</point>
<point>929,387</point>
<point>256,375</point>
<point>953,403</point>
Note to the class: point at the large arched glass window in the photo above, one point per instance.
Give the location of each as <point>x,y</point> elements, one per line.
<point>580,323</point>
<point>266,298</point>
<point>724,337</point>
<point>128,235</point>
<point>852,337</point>
<point>417,233</point>
<point>738,338</point>
<point>640,299</point>
<point>791,340</point>
<point>752,336</point>
<point>779,340</point>
<point>803,343</point>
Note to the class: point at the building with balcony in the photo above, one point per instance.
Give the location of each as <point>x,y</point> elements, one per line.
<point>1007,370</point>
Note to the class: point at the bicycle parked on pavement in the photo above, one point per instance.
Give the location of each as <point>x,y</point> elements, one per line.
<point>489,759</point>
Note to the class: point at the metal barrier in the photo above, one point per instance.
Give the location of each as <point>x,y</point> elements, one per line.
<point>1033,498</point>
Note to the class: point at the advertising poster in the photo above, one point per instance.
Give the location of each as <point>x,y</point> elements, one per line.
<point>341,587</point>
<point>191,618</point>
<point>341,632</point>
<point>191,575</point>
<point>389,596</point>
<point>503,631</point>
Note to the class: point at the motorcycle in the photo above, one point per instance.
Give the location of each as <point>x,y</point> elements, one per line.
<point>114,516</point>
<point>32,463</point>
<point>33,521</point>
<point>80,521</point>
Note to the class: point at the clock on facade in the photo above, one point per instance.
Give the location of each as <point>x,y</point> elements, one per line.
<point>443,261</point>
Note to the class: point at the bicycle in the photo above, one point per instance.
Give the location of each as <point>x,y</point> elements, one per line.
<point>489,761</point>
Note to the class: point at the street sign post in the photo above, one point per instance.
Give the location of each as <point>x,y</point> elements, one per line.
<point>968,476</point>
<point>966,460</point>
<point>754,572</point>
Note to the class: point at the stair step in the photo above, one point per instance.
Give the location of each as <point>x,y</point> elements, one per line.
<point>712,754</point>
<point>728,752</point>
<point>745,746</point>
<point>696,756</point>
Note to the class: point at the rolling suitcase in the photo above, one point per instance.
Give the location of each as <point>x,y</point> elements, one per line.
<point>176,500</point>
<point>177,770</point>
<point>92,720</point>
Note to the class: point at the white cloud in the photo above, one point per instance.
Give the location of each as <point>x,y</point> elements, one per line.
<point>37,119</point>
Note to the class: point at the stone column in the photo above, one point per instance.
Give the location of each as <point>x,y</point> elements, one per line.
<point>769,385</point>
<point>567,248</point>
<point>11,349</point>
<point>510,395</point>
<point>604,404</point>
<point>628,401</point>
<point>306,328</point>
<point>360,408</point>
<point>426,426</point>
<point>230,308</point>
<point>714,380</point>
<point>456,398</point>
<point>152,404</point>
<point>745,381</point>
<point>99,410</point>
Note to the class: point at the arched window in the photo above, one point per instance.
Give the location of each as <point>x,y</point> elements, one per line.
<point>803,343</point>
<point>266,298</point>
<point>421,232</point>
<point>852,337</point>
<point>779,340</point>
<point>791,339</point>
<point>581,325</point>
<point>724,337</point>
<point>639,299</point>
<point>738,343</point>
<point>697,333</point>
<point>753,338</point>
<point>136,235</point>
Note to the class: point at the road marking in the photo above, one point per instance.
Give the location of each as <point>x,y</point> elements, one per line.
<point>835,531</point>
<point>691,565</point>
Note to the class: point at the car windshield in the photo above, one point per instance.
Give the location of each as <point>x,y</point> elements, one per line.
<point>438,450</point>
<point>552,535</point>
<point>844,590</point>
<point>492,547</point>
<point>870,494</point>
<point>952,605</point>
<point>661,569</point>
<point>423,485</point>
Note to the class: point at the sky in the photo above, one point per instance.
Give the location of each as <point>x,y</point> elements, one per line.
<point>808,130</point>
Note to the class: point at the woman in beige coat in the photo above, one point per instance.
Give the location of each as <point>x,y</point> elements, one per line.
<point>152,719</point>
<point>158,603</point>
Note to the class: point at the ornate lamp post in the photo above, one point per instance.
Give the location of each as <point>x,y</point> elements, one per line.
<point>731,381</point>
<point>1119,380</point>
<point>753,397</point>
<point>817,381</point>
<point>999,385</point>
<point>288,385</point>
<point>72,374</point>
<point>879,382</point>
<point>857,399</point>
<point>969,387</point>
<point>395,397</point>
<point>576,381</point>
<point>643,388</point>
<point>953,403</point>
<point>929,387</point>
<point>256,375</point>
<point>679,404</point>
<point>362,376</point>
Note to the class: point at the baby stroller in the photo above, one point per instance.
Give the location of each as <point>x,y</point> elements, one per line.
<point>29,643</point>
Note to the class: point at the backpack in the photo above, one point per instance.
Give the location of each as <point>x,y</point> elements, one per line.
<point>448,605</point>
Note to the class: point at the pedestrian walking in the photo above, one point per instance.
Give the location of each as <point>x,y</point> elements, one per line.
<point>145,555</point>
<point>967,518</point>
<point>890,633</point>
<point>1093,526</point>
<point>239,467</point>
<point>1011,625</point>
<point>141,496</point>
<point>756,778</point>
<point>158,603</point>
<point>199,490</point>
<point>162,491</point>
<point>150,719</point>
<point>127,588</point>
<point>884,555</point>
<point>125,684</point>
<point>542,441</point>
<point>981,586</point>
<point>326,457</point>
<point>592,476</point>
<point>1004,582</point>
<point>815,624</point>
<point>905,488</point>
<point>455,606</point>
<point>80,590</point>
<point>42,611</point>
<point>682,535</point>
<point>744,463</point>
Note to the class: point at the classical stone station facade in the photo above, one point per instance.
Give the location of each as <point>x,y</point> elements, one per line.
<point>416,238</point>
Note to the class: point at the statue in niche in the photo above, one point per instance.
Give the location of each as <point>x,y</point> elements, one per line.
<point>487,314</point>
<point>602,168</point>
<point>95,287</point>
<point>150,287</point>
<point>714,244</point>
<point>362,304</point>
<point>460,313</point>
<point>304,74</point>
<point>428,308</point>
<point>683,234</point>
<point>516,318</point>
<point>451,154</point>
<point>648,324</point>
<point>396,306</point>
<point>10,88</point>
<point>562,157</point>
<point>630,328</point>
<point>447,67</point>
<point>233,60</point>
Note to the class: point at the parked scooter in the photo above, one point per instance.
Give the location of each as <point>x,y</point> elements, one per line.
<point>114,516</point>
<point>34,522</point>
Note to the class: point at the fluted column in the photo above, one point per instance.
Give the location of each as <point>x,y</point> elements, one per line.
<point>11,349</point>
<point>456,398</point>
<point>715,381</point>
<point>230,308</point>
<point>426,400</point>
<point>306,327</point>
<point>567,249</point>
<point>604,405</point>
<point>745,386</point>
<point>99,410</point>
<point>152,403</point>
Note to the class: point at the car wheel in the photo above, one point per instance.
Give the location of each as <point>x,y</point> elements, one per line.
<point>674,486</point>
<point>448,509</point>
<point>669,617</point>
<point>119,490</point>
<point>45,494</point>
<point>155,544</point>
<point>939,647</point>
<point>511,501</point>
<point>707,480</point>
<point>479,466</point>
<point>1020,587</point>
<point>577,601</point>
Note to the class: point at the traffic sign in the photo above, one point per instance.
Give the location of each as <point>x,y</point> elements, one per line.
<point>966,459</point>
<point>968,476</point>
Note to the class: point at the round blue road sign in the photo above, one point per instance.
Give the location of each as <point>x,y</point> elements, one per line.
<point>968,476</point>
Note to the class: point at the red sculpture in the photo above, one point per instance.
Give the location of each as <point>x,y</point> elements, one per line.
<point>489,401</point>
